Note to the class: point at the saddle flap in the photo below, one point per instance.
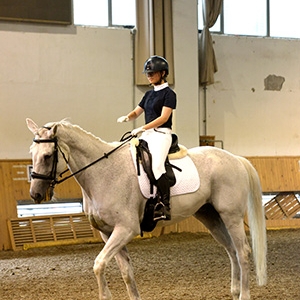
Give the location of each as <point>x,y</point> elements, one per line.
<point>145,157</point>
<point>187,181</point>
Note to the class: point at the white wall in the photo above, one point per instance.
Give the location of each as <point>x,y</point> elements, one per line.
<point>49,73</point>
<point>251,120</point>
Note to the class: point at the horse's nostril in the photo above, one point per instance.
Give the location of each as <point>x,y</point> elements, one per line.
<point>37,197</point>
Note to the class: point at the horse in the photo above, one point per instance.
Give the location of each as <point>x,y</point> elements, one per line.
<point>113,202</point>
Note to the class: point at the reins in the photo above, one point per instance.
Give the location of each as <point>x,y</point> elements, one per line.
<point>124,139</point>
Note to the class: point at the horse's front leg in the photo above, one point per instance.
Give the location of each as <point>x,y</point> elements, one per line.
<point>124,263</point>
<point>113,245</point>
<point>100,264</point>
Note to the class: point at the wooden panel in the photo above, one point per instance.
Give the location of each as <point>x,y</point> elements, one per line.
<point>278,173</point>
<point>69,189</point>
<point>8,207</point>
<point>282,206</point>
<point>41,11</point>
<point>14,187</point>
<point>188,225</point>
<point>42,231</point>
<point>207,140</point>
<point>193,225</point>
<point>283,224</point>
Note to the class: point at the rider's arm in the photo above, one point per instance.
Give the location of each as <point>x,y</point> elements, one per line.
<point>135,113</point>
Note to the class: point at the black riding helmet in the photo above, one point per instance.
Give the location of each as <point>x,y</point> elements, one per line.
<point>155,64</point>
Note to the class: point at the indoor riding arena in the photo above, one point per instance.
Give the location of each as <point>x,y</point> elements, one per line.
<point>237,88</point>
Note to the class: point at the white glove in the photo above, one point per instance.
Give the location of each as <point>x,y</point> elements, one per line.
<point>136,131</point>
<point>123,119</point>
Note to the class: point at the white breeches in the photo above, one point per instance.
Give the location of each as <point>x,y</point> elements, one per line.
<point>159,142</point>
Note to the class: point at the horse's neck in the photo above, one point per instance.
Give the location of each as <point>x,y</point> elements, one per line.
<point>83,147</point>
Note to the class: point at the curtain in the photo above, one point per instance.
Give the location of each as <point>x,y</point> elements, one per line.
<point>207,60</point>
<point>153,36</point>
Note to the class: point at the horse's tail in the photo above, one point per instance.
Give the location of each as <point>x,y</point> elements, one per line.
<point>257,223</point>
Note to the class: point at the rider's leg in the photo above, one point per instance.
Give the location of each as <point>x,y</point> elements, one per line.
<point>163,187</point>
<point>159,142</point>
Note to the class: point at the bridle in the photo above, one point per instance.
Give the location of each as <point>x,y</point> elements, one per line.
<point>52,176</point>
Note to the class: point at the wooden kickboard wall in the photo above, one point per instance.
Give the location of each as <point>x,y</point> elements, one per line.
<point>50,230</point>
<point>277,173</point>
<point>14,187</point>
<point>47,231</point>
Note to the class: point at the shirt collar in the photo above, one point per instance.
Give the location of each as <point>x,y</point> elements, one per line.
<point>160,87</point>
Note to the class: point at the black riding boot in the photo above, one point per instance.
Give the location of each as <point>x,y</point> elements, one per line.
<point>163,212</point>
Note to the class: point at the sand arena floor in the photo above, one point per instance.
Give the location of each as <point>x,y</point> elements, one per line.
<point>180,266</point>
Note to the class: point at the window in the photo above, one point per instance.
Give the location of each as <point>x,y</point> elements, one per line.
<point>90,12</point>
<point>123,12</point>
<point>215,28</point>
<point>284,18</point>
<point>245,17</point>
<point>104,12</point>
<point>275,18</point>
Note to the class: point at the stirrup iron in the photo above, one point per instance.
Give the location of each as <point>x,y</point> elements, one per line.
<point>159,212</point>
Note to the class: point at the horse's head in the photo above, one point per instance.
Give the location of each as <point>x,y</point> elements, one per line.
<point>47,165</point>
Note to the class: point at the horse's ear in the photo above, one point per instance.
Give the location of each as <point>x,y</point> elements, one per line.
<point>32,126</point>
<point>53,131</point>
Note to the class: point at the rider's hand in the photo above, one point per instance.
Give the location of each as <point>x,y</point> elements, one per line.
<point>136,131</point>
<point>123,119</point>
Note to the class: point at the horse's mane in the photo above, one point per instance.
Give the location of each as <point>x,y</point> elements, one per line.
<point>67,124</point>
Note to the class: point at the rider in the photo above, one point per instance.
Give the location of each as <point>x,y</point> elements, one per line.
<point>158,105</point>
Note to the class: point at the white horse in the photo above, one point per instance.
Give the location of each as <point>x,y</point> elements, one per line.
<point>115,205</point>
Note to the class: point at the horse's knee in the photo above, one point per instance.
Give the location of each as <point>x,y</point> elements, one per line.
<point>99,267</point>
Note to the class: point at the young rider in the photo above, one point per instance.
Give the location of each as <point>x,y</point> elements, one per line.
<point>157,106</point>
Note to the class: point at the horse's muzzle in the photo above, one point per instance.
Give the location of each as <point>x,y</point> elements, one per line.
<point>39,197</point>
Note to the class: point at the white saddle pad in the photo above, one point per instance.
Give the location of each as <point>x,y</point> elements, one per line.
<point>187,181</point>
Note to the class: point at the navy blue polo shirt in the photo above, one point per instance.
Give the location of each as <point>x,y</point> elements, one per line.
<point>153,102</point>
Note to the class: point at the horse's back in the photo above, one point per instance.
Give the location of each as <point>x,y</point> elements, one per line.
<point>213,160</point>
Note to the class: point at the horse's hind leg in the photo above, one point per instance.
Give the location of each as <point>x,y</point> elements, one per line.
<point>235,226</point>
<point>212,220</point>
<point>115,247</point>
